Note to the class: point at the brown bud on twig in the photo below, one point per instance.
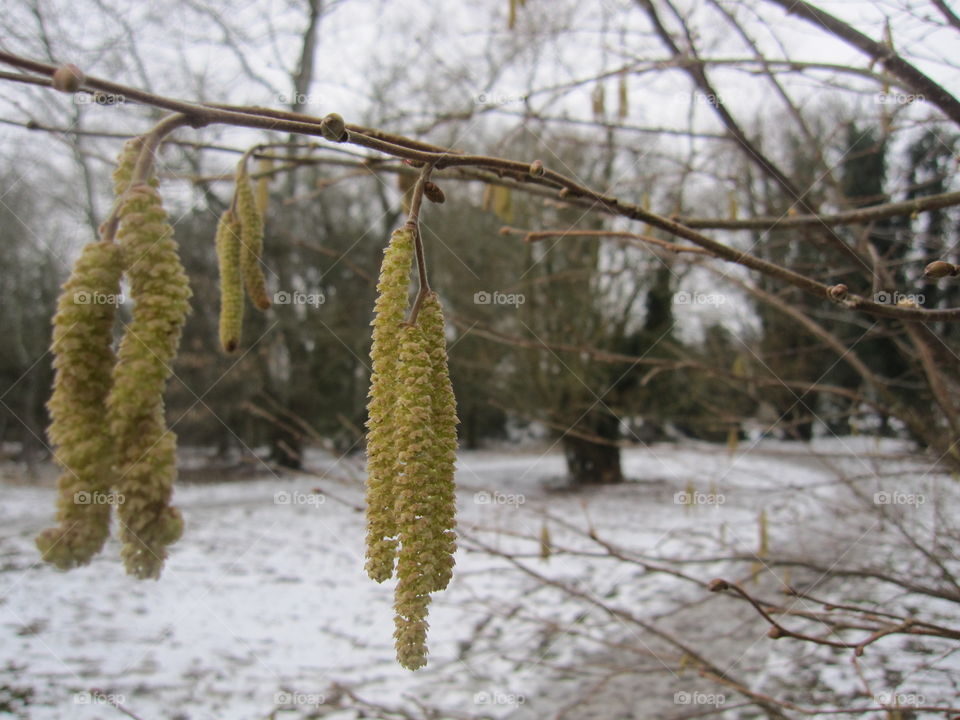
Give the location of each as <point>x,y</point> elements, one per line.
<point>774,632</point>
<point>433,192</point>
<point>505,230</point>
<point>718,585</point>
<point>333,128</point>
<point>941,269</point>
<point>68,78</point>
<point>564,192</point>
<point>536,168</point>
<point>838,292</point>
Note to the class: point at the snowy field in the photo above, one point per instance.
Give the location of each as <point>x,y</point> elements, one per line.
<point>264,611</point>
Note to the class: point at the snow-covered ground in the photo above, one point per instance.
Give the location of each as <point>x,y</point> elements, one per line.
<point>264,610</point>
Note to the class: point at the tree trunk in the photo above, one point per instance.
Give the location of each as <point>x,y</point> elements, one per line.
<point>591,463</point>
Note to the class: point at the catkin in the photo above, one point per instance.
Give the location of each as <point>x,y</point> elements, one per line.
<point>146,450</point>
<point>382,456</point>
<point>440,489</point>
<point>546,544</point>
<point>251,239</point>
<point>425,498</point>
<point>231,281</point>
<point>83,362</point>
<point>126,162</point>
<point>411,452</point>
<point>419,561</point>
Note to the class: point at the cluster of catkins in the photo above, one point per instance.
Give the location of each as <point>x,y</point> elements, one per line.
<point>239,246</point>
<point>411,451</point>
<point>107,412</point>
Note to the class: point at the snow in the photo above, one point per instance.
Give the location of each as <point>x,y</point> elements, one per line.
<point>264,603</point>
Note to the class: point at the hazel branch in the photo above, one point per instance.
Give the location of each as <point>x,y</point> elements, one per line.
<point>441,158</point>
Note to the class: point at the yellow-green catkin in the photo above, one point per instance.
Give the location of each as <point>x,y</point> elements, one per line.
<point>383,466</point>
<point>145,449</point>
<point>420,560</point>
<point>231,281</point>
<point>251,239</point>
<point>546,544</point>
<point>125,165</point>
<point>83,362</point>
<point>264,168</point>
<point>126,162</point>
<point>425,493</point>
<point>441,490</point>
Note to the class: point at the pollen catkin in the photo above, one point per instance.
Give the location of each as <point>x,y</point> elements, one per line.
<point>420,560</point>
<point>546,544</point>
<point>382,455</point>
<point>83,362</point>
<point>146,450</point>
<point>411,452</point>
<point>126,162</point>
<point>251,239</point>
<point>425,501</point>
<point>231,281</point>
<point>441,492</point>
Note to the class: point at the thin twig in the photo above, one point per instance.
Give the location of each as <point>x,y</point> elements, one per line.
<point>413,223</point>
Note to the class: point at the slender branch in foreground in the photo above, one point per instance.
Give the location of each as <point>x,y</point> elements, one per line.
<point>399,147</point>
<point>635,239</point>
<point>870,213</point>
<point>867,214</point>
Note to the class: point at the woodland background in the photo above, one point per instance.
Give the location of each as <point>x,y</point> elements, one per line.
<point>601,338</point>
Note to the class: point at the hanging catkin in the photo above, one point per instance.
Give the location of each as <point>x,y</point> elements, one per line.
<point>251,239</point>
<point>382,458</point>
<point>441,498</point>
<point>231,281</point>
<point>146,450</point>
<point>546,544</point>
<point>420,561</point>
<point>83,362</point>
<point>411,452</point>
<point>125,165</point>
